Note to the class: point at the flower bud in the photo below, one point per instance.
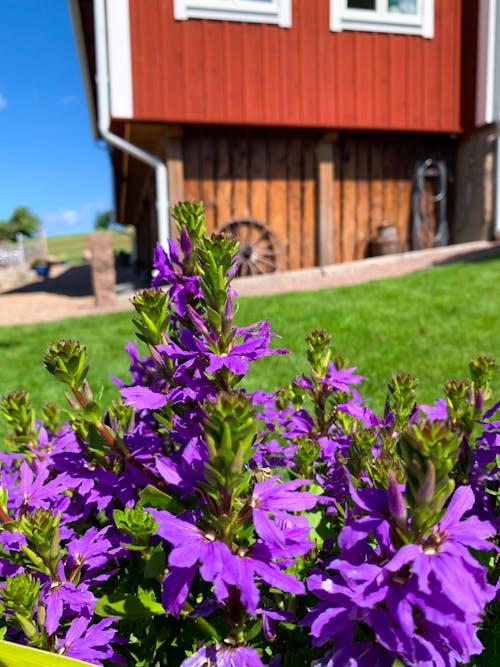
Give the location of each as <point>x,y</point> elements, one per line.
<point>425,492</point>
<point>396,502</point>
<point>185,242</point>
<point>66,360</point>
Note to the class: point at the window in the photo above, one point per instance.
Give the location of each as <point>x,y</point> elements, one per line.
<point>406,17</point>
<point>254,11</point>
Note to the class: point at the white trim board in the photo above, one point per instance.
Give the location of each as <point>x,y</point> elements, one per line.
<point>119,59</point>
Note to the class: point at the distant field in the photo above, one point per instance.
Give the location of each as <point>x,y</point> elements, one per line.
<point>71,247</point>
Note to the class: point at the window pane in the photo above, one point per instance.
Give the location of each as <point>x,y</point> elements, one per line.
<point>403,6</point>
<point>361,4</point>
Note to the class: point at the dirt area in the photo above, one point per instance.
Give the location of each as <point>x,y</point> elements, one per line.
<point>68,291</point>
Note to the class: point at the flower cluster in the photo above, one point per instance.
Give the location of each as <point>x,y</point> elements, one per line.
<point>194,524</point>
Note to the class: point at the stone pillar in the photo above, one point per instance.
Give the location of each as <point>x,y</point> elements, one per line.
<point>102,263</point>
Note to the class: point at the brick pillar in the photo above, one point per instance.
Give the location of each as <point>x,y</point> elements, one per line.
<point>102,262</point>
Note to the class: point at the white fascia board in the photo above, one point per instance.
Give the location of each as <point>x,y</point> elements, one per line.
<point>76,21</point>
<point>490,62</point>
<point>119,59</point>
<point>495,65</point>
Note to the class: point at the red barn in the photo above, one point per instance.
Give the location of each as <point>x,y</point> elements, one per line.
<point>303,125</point>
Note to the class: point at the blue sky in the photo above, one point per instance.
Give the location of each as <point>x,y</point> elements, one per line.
<point>49,160</point>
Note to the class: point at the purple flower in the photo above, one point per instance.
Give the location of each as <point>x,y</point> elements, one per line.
<point>484,474</point>
<point>272,495</point>
<point>435,412</point>
<point>143,398</point>
<point>354,408</point>
<point>334,616</point>
<point>181,288</point>
<point>286,534</point>
<point>89,553</point>
<point>39,491</point>
<point>423,602</point>
<point>340,379</point>
<point>13,541</point>
<point>62,597</point>
<point>89,642</point>
<point>176,587</point>
<point>224,655</point>
<point>199,352</point>
<point>256,340</point>
<point>258,561</point>
<point>444,557</point>
<point>192,549</point>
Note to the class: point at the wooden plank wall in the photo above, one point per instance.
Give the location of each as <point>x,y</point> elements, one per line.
<point>265,175</point>
<point>373,186</point>
<point>272,176</point>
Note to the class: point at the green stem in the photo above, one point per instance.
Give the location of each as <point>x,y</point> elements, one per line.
<point>119,450</point>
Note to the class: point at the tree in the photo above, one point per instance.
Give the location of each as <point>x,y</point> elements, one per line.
<point>104,220</point>
<point>22,221</point>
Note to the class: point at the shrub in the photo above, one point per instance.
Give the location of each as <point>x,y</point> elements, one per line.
<point>192,523</point>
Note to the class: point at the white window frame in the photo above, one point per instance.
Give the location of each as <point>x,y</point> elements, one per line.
<point>277,12</point>
<point>381,20</point>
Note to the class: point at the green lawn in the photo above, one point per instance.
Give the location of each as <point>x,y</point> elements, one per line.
<point>429,324</point>
<point>71,247</point>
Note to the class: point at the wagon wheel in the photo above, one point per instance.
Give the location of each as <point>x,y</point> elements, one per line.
<point>259,250</point>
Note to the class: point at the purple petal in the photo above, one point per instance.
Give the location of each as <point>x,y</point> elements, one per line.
<point>143,398</point>
<point>461,501</point>
<point>176,587</point>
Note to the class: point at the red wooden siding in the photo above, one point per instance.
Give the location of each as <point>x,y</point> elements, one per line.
<point>218,72</point>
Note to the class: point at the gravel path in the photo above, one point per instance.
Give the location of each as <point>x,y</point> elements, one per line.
<point>68,292</point>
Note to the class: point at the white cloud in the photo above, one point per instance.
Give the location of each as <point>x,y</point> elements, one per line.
<point>66,216</point>
<point>73,216</point>
<point>3,102</point>
<point>68,99</point>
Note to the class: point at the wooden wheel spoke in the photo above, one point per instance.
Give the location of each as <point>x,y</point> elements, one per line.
<point>266,262</point>
<point>258,251</point>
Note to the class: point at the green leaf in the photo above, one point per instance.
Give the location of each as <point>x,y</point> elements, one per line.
<point>128,606</point>
<point>155,564</point>
<point>15,655</point>
<point>153,497</point>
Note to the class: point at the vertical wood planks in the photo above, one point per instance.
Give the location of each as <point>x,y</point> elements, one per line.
<point>308,221</point>
<point>363,235</point>
<point>258,179</point>
<point>207,180</point>
<point>191,148</point>
<point>175,175</point>
<point>223,180</point>
<point>323,199</point>
<point>278,195</point>
<point>376,185</point>
<point>294,202</point>
<point>349,219</point>
<point>240,175</point>
<point>325,180</point>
